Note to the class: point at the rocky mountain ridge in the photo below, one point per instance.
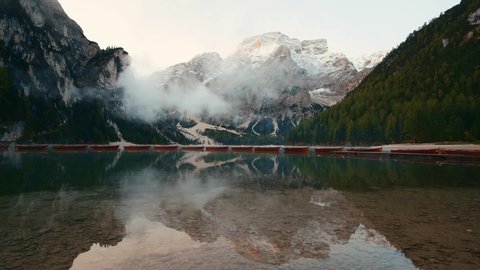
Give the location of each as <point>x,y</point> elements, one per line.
<point>272,81</point>
<point>49,54</point>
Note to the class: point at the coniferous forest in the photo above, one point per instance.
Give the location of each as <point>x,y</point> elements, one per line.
<point>426,90</point>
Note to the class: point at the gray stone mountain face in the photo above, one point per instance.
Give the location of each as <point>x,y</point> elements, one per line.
<point>268,98</point>
<point>47,53</point>
<point>67,86</point>
<point>270,80</point>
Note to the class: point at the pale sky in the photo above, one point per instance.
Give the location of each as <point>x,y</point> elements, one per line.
<point>160,33</point>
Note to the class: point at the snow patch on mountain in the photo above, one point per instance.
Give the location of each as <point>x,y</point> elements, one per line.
<point>368,61</point>
<point>312,56</point>
<point>320,91</point>
<point>193,134</point>
<point>196,132</point>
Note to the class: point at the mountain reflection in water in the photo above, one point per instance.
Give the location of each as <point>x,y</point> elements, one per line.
<point>197,210</point>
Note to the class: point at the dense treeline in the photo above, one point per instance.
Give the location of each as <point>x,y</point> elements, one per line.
<point>51,120</point>
<point>11,105</point>
<point>428,89</point>
<point>139,132</point>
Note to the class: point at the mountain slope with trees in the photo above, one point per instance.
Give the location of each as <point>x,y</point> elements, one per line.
<point>58,86</point>
<point>426,90</point>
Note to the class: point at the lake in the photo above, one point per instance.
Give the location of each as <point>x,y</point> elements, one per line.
<point>181,210</point>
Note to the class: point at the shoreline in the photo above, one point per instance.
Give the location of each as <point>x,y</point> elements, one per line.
<point>384,148</point>
<point>463,153</point>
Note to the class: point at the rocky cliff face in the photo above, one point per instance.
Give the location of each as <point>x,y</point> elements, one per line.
<point>47,53</point>
<point>272,81</point>
<point>64,85</point>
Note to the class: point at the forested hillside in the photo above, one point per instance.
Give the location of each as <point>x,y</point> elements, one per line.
<point>428,89</point>
<point>58,86</point>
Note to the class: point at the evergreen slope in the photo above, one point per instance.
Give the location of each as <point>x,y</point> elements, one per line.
<point>428,89</point>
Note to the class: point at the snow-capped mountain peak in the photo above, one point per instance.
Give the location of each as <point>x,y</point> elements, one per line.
<point>202,67</point>
<point>271,82</point>
<point>258,49</point>
<point>311,56</point>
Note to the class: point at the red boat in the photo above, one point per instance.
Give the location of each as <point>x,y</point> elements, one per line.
<point>136,148</point>
<point>4,147</point>
<point>219,148</point>
<point>69,147</point>
<point>326,150</point>
<point>429,151</point>
<point>165,148</point>
<point>242,149</point>
<point>104,148</point>
<point>460,152</point>
<point>296,150</point>
<point>31,147</point>
<point>197,148</point>
<point>365,149</point>
<point>267,149</point>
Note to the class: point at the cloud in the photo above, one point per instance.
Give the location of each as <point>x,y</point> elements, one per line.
<point>144,100</point>
<point>208,86</point>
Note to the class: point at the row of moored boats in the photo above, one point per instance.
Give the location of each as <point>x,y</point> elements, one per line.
<point>303,150</point>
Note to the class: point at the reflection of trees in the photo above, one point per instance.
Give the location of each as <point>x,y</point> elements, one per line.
<point>42,171</point>
<point>364,174</point>
<point>39,171</point>
<point>28,172</point>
